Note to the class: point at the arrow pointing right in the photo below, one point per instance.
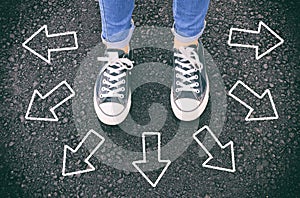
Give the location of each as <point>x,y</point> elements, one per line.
<point>210,156</point>
<point>247,33</point>
<point>141,163</point>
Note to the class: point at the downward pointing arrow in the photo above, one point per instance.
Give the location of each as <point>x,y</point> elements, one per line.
<point>247,33</point>
<point>63,46</point>
<point>92,137</point>
<point>51,110</point>
<point>210,156</point>
<point>140,164</point>
<point>251,109</point>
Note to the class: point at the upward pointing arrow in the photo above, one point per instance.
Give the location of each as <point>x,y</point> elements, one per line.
<point>43,31</point>
<point>140,164</point>
<point>246,33</point>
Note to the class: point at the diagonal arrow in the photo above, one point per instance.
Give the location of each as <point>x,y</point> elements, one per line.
<point>139,164</point>
<point>210,156</point>
<point>91,137</point>
<point>251,109</point>
<point>247,33</point>
<point>63,46</point>
<point>28,115</point>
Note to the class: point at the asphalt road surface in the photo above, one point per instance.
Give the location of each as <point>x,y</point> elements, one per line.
<point>266,152</point>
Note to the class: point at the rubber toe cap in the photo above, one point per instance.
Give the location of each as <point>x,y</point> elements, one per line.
<point>187,104</point>
<point>111,108</point>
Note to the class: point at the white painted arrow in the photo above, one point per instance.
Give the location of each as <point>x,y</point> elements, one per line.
<point>251,109</point>
<point>45,29</point>
<point>95,137</point>
<point>256,47</point>
<point>210,156</point>
<point>138,164</point>
<point>52,109</point>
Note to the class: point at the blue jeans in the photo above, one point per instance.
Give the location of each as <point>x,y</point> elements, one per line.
<point>117,25</point>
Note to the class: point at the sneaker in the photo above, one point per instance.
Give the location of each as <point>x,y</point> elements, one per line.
<point>112,95</point>
<point>190,88</point>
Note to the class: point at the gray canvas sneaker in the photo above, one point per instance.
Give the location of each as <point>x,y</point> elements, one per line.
<point>112,95</point>
<point>190,88</point>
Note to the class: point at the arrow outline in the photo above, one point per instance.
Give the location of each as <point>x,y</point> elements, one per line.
<point>48,60</point>
<point>267,91</point>
<point>91,167</point>
<point>144,160</point>
<point>260,24</point>
<point>230,143</point>
<point>52,109</point>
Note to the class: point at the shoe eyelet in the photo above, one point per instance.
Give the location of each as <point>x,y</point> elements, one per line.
<point>104,81</point>
<point>196,77</point>
<point>176,90</point>
<point>123,81</point>
<point>123,88</point>
<point>177,75</point>
<point>101,96</point>
<point>121,96</point>
<point>102,89</point>
<point>197,84</point>
<point>197,91</point>
<point>177,82</point>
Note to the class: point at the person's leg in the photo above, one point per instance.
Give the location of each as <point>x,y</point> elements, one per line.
<point>112,95</point>
<point>190,88</point>
<point>117,26</point>
<point>189,17</point>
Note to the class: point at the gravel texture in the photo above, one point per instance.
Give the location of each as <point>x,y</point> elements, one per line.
<point>267,152</point>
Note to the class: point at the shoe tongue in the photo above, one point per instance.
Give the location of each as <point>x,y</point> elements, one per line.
<point>121,53</point>
<point>193,46</point>
<point>188,94</point>
<point>114,54</point>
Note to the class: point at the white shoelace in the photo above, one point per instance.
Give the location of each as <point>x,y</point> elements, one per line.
<point>189,61</point>
<point>114,83</point>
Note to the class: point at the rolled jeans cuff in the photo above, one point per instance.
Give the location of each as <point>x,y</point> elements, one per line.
<point>120,44</point>
<point>184,39</point>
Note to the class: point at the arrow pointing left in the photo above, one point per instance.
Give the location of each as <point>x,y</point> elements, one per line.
<point>51,110</point>
<point>155,159</point>
<point>91,137</point>
<point>63,46</point>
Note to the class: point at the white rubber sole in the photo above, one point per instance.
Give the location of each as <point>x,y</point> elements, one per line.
<point>190,115</point>
<point>112,120</point>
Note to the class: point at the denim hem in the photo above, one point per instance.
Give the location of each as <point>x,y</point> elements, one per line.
<point>184,39</point>
<point>120,44</point>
